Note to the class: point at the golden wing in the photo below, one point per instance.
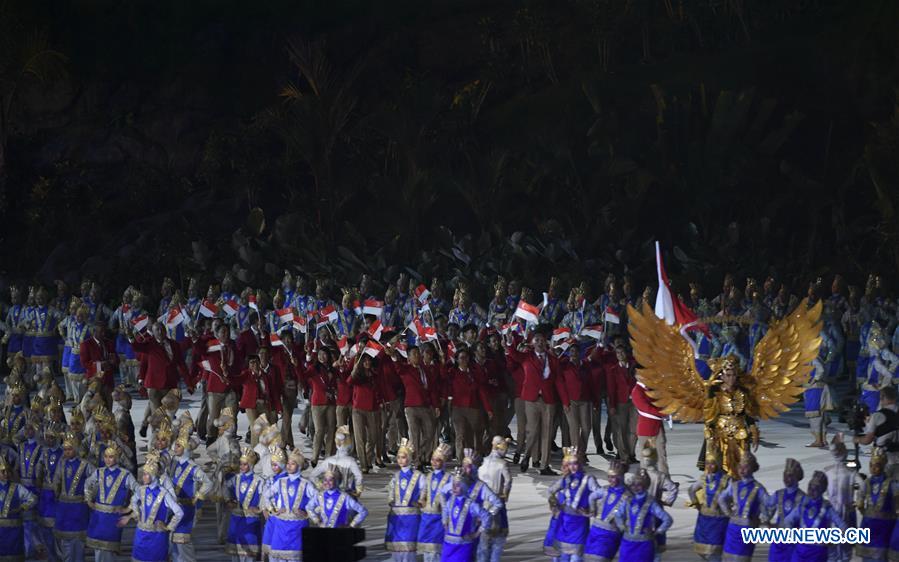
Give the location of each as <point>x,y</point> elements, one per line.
<point>782,361</point>
<point>667,367</point>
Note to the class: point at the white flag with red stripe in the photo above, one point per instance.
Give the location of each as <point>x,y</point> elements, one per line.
<point>670,308</point>
<point>231,307</point>
<point>527,312</point>
<point>560,334</point>
<point>422,294</point>
<point>208,309</point>
<point>375,330</point>
<point>140,323</point>
<point>611,316</point>
<point>213,345</point>
<point>174,318</point>
<point>275,340</point>
<point>373,307</point>
<point>402,349</point>
<point>285,315</point>
<point>357,308</point>
<point>329,313</point>
<point>373,348</point>
<point>299,324</point>
<point>594,332</point>
<point>251,300</point>
<point>343,345</point>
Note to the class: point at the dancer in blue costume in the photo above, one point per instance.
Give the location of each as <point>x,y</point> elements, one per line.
<point>816,399</point>
<point>70,525</point>
<point>876,501</point>
<point>779,506</point>
<point>641,517</point>
<point>16,499</point>
<point>156,511</point>
<point>711,522</point>
<point>278,460</point>
<point>403,496</point>
<point>434,493</point>
<point>108,492</point>
<point>50,461</point>
<point>463,520</point>
<point>743,501</point>
<point>290,501</point>
<point>814,512</point>
<point>570,495</point>
<point>333,506</point>
<point>494,472</point>
<point>604,537</point>
<point>29,460</point>
<point>191,487</point>
<point>243,494</point>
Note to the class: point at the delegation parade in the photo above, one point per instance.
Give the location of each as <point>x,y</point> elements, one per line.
<point>453,399</point>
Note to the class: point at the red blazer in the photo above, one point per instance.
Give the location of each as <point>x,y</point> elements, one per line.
<point>248,344</point>
<point>647,424</point>
<point>533,385</point>
<point>91,352</point>
<point>281,359</point>
<point>274,383</point>
<point>418,393</point>
<point>225,363</point>
<point>619,381</point>
<point>323,383</point>
<point>578,382</point>
<point>366,391</point>
<point>387,381</point>
<point>253,388</point>
<point>160,371</point>
<point>467,389</point>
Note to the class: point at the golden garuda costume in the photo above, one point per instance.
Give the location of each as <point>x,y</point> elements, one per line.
<point>730,401</point>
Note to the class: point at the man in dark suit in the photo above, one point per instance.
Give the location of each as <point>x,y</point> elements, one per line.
<point>98,357</point>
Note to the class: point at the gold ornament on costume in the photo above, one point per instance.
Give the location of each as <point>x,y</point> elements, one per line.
<point>248,455</point>
<point>406,448</point>
<point>570,454</point>
<point>71,440</point>
<point>295,455</point>
<point>277,454</point>
<point>443,451</point>
<point>780,368</point>
<point>152,465</point>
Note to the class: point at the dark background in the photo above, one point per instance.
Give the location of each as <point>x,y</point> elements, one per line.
<point>459,138</point>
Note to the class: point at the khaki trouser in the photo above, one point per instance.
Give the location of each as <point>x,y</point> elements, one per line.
<point>521,421</point>
<point>625,430</point>
<point>539,429</point>
<point>154,395</point>
<point>203,416</point>
<point>390,423</point>
<point>466,424</point>
<point>261,409</point>
<point>288,405</point>
<point>421,431</point>
<point>217,401</point>
<point>661,449</point>
<point>579,424</point>
<point>366,430</point>
<point>344,414</point>
<point>325,420</point>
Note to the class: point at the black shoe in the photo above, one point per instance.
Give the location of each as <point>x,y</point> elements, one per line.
<point>379,464</point>
<point>143,431</point>
<point>524,464</point>
<point>536,464</point>
<point>314,463</point>
<point>547,471</point>
<point>609,446</point>
<point>517,458</point>
<point>555,448</point>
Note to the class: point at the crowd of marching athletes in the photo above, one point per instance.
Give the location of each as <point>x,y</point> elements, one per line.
<point>411,378</point>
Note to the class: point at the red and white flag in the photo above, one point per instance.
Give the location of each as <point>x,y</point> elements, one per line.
<point>402,349</point>
<point>611,316</point>
<point>425,308</point>
<point>275,340</point>
<point>343,345</point>
<point>375,330</point>
<point>373,307</point>
<point>430,334</point>
<point>560,334</point>
<point>231,307</point>
<point>373,348</point>
<point>140,323</point>
<point>357,308</point>
<point>422,294</point>
<point>174,318</point>
<point>670,308</point>
<point>594,332</point>
<point>329,313</point>
<point>208,309</point>
<point>213,345</point>
<point>299,324</point>
<point>527,312</point>
<point>207,366</point>
<point>285,315</point>
<point>251,300</point>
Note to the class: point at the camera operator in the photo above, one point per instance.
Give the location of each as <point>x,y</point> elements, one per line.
<point>882,428</point>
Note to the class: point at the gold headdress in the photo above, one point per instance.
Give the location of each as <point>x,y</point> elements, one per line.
<point>406,448</point>
<point>248,455</point>
<point>113,450</point>
<point>342,436</point>
<point>642,476</point>
<point>295,455</point>
<point>443,451</point>
<point>184,438</point>
<point>617,467</point>
<point>152,465</point>
<point>277,455</point>
<point>819,479</point>
<point>471,456</point>
<point>165,430</point>
<point>102,415</point>
<point>570,454</point>
<point>793,467</point>
<point>77,417</point>
<point>749,460</point>
<point>500,443</point>
<point>554,282</point>
<point>71,440</point>
<point>3,465</point>
<point>878,457</point>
